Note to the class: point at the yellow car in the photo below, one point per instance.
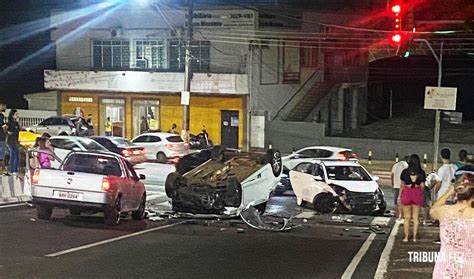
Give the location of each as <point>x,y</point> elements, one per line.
<point>27,139</point>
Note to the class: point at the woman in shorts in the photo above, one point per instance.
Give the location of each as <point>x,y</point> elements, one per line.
<point>412,195</point>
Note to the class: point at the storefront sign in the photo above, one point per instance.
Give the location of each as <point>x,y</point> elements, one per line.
<point>228,19</point>
<point>81,99</point>
<point>443,98</point>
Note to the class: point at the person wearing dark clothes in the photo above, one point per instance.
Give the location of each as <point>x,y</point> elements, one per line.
<point>3,135</point>
<point>12,140</point>
<point>412,199</point>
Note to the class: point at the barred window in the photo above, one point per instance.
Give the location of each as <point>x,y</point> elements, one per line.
<point>111,53</point>
<point>150,54</point>
<point>199,55</point>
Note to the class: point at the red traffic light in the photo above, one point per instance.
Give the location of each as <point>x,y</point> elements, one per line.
<point>396,9</point>
<point>396,38</point>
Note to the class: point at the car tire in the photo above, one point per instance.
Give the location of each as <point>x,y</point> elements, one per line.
<point>170,184</point>
<point>112,213</point>
<point>75,211</point>
<point>300,202</point>
<point>261,208</point>
<point>140,213</point>
<point>382,209</point>
<point>273,157</point>
<point>44,211</point>
<point>233,192</point>
<point>324,203</point>
<point>217,153</point>
<point>161,157</point>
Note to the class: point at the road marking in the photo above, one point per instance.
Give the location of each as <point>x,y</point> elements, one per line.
<point>363,250</point>
<point>385,257</point>
<point>12,205</point>
<point>60,253</point>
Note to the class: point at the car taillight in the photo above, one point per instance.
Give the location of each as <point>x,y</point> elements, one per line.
<point>105,184</point>
<point>35,177</point>
<point>126,152</point>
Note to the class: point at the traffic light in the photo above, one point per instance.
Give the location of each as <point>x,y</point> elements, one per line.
<point>398,37</point>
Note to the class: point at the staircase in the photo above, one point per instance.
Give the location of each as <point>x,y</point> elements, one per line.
<point>306,104</point>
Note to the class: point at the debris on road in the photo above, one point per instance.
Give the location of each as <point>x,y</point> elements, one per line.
<point>252,218</point>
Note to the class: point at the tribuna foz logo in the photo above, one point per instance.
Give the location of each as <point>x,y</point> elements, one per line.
<point>433,256</point>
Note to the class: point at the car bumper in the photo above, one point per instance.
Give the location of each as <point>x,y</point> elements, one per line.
<point>68,203</point>
<point>86,197</point>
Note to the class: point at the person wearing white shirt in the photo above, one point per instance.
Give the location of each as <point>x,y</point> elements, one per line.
<point>397,169</point>
<point>445,174</point>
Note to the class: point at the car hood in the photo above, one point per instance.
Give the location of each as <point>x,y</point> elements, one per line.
<point>357,186</point>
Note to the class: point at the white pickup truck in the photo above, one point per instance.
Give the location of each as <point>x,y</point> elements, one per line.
<point>90,182</point>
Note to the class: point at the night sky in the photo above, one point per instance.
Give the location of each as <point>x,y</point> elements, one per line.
<point>407,77</point>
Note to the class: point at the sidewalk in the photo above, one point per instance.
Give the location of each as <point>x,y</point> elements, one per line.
<point>399,264</point>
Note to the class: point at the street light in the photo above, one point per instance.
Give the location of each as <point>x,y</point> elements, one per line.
<point>439,60</point>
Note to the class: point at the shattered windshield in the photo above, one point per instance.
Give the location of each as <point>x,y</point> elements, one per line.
<point>350,173</point>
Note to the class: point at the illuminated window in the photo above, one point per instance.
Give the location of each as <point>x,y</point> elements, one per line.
<point>150,54</point>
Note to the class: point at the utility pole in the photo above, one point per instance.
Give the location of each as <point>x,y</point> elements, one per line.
<point>187,75</point>
<point>439,60</point>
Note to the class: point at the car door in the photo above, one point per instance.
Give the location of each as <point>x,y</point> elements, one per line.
<point>143,141</point>
<point>257,187</point>
<point>307,181</point>
<point>135,184</point>
<point>117,174</point>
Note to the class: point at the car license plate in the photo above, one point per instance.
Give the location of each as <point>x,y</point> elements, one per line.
<point>67,195</point>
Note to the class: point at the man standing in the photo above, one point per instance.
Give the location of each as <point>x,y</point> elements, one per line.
<point>173,129</point>
<point>144,125</point>
<point>397,169</point>
<point>445,174</point>
<point>3,129</point>
<point>462,158</point>
<point>108,127</point>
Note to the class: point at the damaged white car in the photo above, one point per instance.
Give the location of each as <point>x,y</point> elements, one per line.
<point>337,186</point>
<point>227,183</point>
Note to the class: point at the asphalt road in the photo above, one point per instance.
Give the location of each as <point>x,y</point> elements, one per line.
<point>317,247</point>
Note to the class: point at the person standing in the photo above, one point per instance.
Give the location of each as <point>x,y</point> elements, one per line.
<point>108,127</point>
<point>13,130</point>
<point>144,125</point>
<point>412,197</point>
<point>445,174</point>
<point>397,169</point>
<point>3,136</point>
<point>456,226</point>
<point>462,158</point>
<point>173,129</point>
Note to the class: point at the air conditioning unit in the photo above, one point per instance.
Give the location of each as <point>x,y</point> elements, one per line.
<point>116,32</point>
<point>142,63</point>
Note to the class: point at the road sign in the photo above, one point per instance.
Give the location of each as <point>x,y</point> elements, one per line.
<point>185,98</point>
<point>442,98</point>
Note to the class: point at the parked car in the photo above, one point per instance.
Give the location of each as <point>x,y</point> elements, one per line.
<point>90,182</point>
<point>122,146</point>
<point>307,154</point>
<point>227,184</point>
<point>65,144</point>
<point>61,125</point>
<point>341,186</point>
<point>161,146</point>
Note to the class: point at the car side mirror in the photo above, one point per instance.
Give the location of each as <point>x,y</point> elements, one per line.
<point>318,178</point>
<point>375,178</point>
<point>142,177</point>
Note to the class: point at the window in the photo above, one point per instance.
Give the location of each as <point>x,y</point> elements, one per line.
<point>174,139</point>
<point>91,163</point>
<point>91,145</point>
<point>199,53</point>
<point>150,54</point>
<point>141,139</point>
<point>351,173</point>
<point>111,54</point>
<point>154,139</point>
<point>309,55</point>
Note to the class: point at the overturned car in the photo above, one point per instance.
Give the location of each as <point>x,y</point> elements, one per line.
<point>225,184</point>
<point>337,186</point>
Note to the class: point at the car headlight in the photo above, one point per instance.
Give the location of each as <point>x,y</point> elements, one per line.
<point>338,189</point>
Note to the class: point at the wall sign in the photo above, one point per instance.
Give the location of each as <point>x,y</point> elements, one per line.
<point>81,99</point>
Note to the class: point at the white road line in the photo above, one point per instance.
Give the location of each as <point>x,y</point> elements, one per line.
<point>60,253</point>
<point>385,257</point>
<point>12,205</point>
<point>358,257</point>
<point>363,249</point>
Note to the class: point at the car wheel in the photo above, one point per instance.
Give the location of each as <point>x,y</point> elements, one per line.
<point>217,153</point>
<point>300,202</point>
<point>75,211</point>
<point>324,203</point>
<point>382,209</point>
<point>44,211</point>
<point>233,192</point>
<point>140,213</point>
<point>273,157</point>
<point>170,184</point>
<point>62,134</point>
<point>161,157</point>
<point>112,213</point>
<point>261,208</point>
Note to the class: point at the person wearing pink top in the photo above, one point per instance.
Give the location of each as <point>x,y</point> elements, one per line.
<point>456,256</point>
<point>45,155</point>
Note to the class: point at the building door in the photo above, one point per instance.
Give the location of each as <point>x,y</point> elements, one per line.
<point>230,128</point>
<point>115,110</point>
<point>146,114</point>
